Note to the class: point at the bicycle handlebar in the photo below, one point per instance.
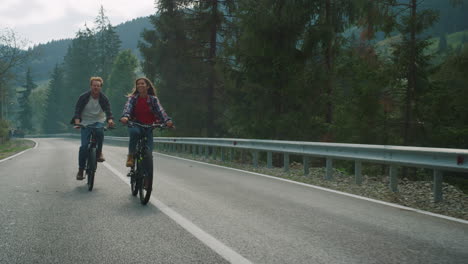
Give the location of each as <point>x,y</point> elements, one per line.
<point>131,124</point>
<point>90,126</point>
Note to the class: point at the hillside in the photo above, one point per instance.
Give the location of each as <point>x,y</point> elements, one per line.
<point>454,41</point>
<point>47,55</point>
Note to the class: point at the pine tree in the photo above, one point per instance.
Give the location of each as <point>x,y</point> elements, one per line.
<point>266,92</point>
<point>411,62</point>
<point>79,65</point>
<point>54,118</point>
<point>121,81</point>
<point>23,100</point>
<point>172,62</point>
<point>107,44</point>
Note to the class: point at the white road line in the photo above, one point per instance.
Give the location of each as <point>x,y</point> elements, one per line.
<point>17,154</point>
<point>216,245</point>
<point>328,190</point>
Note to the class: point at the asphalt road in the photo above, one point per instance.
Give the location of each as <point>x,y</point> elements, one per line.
<point>200,213</point>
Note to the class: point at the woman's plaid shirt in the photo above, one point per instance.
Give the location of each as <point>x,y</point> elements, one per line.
<point>153,103</point>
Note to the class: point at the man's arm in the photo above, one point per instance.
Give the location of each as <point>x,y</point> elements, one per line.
<point>78,109</point>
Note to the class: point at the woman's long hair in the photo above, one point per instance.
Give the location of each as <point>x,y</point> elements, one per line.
<point>151,89</point>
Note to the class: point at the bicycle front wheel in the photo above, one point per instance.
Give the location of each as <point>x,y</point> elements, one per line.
<point>146,184</point>
<point>91,168</point>
<point>133,182</point>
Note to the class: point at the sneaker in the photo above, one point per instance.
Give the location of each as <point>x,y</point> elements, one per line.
<point>79,175</point>
<point>101,158</point>
<point>130,161</point>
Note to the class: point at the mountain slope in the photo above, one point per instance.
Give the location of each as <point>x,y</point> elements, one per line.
<point>51,53</point>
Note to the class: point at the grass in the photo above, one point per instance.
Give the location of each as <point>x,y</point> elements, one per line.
<point>14,146</point>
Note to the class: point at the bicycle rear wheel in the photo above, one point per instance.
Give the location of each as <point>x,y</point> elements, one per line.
<point>145,185</point>
<point>91,168</point>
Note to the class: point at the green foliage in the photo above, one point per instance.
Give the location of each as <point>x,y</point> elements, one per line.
<point>410,63</point>
<point>178,59</point>
<point>107,45</point>
<point>54,119</point>
<point>266,93</point>
<point>38,100</point>
<point>279,69</point>
<point>25,115</point>
<point>121,82</point>
<point>4,128</point>
<point>445,110</point>
<point>366,110</point>
<point>91,53</point>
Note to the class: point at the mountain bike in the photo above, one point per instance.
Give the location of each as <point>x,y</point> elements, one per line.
<point>91,160</point>
<point>141,173</point>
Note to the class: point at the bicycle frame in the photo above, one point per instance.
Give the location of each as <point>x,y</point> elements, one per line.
<point>91,159</point>
<point>141,173</point>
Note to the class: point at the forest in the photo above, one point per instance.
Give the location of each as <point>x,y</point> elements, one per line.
<point>389,72</point>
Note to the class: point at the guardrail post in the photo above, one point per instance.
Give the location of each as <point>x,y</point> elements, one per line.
<point>194,150</point>
<point>329,169</point>
<point>358,172</point>
<point>393,178</point>
<point>213,153</point>
<point>286,162</point>
<point>305,161</point>
<point>207,152</point>
<point>223,155</point>
<point>231,157</point>
<point>437,188</point>
<point>269,159</point>
<point>255,158</point>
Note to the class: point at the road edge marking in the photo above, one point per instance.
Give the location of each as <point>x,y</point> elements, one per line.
<point>329,190</point>
<point>19,153</point>
<point>221,249</point>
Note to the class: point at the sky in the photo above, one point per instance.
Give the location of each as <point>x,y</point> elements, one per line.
<point>40,21</point>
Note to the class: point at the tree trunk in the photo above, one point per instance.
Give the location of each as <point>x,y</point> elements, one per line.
<point>328,137</point>
<point>212,74</point>
<point>412,72</point>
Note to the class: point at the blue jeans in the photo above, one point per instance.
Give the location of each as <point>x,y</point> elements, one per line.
<point>85,135</point>
<point>134,133</point>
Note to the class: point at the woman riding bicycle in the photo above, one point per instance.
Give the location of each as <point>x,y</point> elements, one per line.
<point>143,107</point>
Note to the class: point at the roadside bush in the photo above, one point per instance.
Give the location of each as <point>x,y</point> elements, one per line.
<point>4,128</point>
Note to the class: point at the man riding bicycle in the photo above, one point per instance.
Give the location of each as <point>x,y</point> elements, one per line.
<point>92,110</point>
<point>143,107</point>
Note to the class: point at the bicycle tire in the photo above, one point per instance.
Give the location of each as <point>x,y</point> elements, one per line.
<point>92,164</point>
<point>146,181</point>
<point>133,184</point>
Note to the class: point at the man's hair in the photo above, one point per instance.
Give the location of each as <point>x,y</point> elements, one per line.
<point>99,79</point>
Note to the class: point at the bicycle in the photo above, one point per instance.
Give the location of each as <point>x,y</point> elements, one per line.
<point>141,173</point>
<point>91,160</point>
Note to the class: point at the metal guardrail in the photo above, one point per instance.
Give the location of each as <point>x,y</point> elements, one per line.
<point>437,159</point>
